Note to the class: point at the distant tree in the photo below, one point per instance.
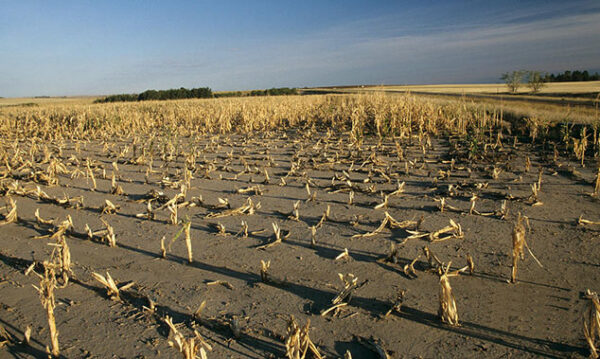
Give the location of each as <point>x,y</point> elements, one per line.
<point>172,94</point>
<point>513,80</point>
<point>575,75</point>
<point>535,81</point>
<point>585,75</point>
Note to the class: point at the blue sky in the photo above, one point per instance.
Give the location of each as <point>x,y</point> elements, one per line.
<point>101,47</point>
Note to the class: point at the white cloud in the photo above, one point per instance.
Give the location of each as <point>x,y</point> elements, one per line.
<point>348,54</point>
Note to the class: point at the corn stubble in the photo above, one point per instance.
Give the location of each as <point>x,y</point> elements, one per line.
<point>188,240</point>
<point>591,322</point>
<point>298,343</point>
<point>190,348</point>
<point>519,244</point>
<point>375,345</point>
<point>596,192</point>
<point>404,113</point>
<point>447,309</point>
<point>57,267</point>
<point>11,216</point>
<point>46,292</point>
<point>353,113</point>
<point>112,290</point>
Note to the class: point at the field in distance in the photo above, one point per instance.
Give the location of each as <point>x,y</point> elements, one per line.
<point>31,101</point>
<point>557,102</point>
<point>553,88</point>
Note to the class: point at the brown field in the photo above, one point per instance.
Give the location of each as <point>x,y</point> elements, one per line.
<point>30,101</point>
<point>549,88</point>
<point>567,102</point>
<point>391,223</point>
<point>585,95</point>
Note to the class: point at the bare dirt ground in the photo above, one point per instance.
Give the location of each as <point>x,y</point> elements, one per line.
<point>540,316</point>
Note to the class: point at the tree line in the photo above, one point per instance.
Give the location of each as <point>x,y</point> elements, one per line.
<point>274,92</point>
<point>568,76</point>
<point>279,91</point>
<point>536,80</point>
<point>172,94</point>
<point>183,93</point>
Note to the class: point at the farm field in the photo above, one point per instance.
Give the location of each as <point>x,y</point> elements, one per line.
<point>579,94</point>
<point>388,223</point>
<point>37,101</point>
<point>572,88</point>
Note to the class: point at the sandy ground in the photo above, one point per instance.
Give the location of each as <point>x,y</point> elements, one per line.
<point>540,316</point>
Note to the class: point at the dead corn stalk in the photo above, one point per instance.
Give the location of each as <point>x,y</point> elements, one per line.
<point>266,277</point>
<point>61,255</point>
<point>280,236</point>
<point>519,244</point>
<point>596,192</point>
<point>115,188</point>
<point>453,230</point>
<point>109,207</point>
<point>112,290</point>
<point>591,322</point>
<point>389,221</point>
<point>447,310</point>
<point>11,217</point>
<point>109,234</point>
<point>188,240</point>
<point>582,222</point>
<point>375,345</point>
<point>326,216</point>
<point>298,343</point>
<point>247,209</point>
<point>41,221</point>
<point>46,291</point>
<point>190,348</point>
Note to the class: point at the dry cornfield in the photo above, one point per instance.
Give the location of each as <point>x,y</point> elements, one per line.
<point>198,228</point>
